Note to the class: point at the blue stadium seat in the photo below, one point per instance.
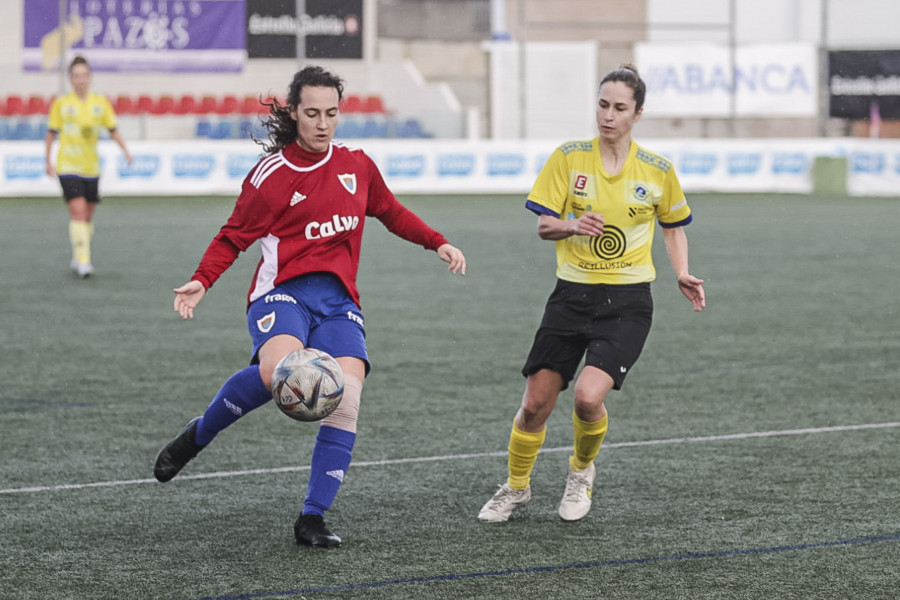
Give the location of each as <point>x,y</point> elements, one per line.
<point>374,128</point>
<point>203,129</point>
<point>246,127</point>
<point>214,130</point>
<point>349,128</point>
<point>23,130</point>
<point>223,131</point>
<point>410,128</point>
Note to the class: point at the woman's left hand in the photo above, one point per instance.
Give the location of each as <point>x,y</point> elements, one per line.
<point>692,288</point>
<point>454,257</point>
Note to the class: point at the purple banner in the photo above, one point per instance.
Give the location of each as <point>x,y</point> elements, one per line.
<point>137,35</point>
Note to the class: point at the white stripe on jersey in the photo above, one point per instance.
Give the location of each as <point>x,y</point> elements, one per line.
<point>343,145</point>
<point>271,163</point>
<point>266,167</point>
<point>268,270</point>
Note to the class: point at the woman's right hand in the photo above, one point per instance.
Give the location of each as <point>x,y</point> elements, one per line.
<point>187,297</point>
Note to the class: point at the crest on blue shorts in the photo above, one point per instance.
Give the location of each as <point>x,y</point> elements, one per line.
<point>265,324</point>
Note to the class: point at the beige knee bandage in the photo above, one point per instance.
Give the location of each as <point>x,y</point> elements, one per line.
<point>345,415</point>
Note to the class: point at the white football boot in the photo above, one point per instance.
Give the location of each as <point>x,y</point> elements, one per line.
<point>576,501</point>
<point>85,269</point>
<point>502,503</point>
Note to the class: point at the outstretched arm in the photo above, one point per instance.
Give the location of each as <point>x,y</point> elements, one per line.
<point>677,248</point>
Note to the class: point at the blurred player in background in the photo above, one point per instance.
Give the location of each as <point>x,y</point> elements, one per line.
<point>598,200</point>
<point>77,119</point>
<point>306,201</point>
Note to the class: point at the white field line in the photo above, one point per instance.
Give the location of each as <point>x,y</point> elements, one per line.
<point>425,459</point>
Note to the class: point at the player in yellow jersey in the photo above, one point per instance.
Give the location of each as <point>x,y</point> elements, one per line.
<point>77,118</point>
<point>599,201</point>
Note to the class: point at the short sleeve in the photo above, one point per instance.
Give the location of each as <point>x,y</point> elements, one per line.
<point>673,211</point>
<point>54,121</point>
<point>551,188</point>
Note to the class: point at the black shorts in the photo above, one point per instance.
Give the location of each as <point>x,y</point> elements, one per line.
<point>74,186</point>
<point>606,325</point>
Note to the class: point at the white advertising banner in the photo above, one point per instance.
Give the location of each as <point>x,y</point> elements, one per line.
<point>695,80</point>
<point>461,166</point>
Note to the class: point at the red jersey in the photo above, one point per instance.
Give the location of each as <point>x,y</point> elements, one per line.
<point>308,211</point>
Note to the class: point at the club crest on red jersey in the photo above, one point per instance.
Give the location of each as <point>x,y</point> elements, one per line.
<point>348,180</point>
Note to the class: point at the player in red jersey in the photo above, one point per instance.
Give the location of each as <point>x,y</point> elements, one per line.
<point>306,202</point>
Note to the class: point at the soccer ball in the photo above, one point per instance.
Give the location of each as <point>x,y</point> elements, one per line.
<point>308,384</point>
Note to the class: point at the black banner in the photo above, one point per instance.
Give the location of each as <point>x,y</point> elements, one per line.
<point>271,29</point>
<point>331,28</point>
<point>861,82</point>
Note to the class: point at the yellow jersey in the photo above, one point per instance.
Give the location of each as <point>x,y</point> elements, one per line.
<point>573,182</point>
<point>78,123</point>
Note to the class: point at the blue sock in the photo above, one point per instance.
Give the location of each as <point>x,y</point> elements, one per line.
<point>330,461</point>
<point>243,392</point>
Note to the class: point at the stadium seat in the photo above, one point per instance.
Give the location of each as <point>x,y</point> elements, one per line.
<point>206,105</point>
<point>351,104</point>
<point>251,127</point>
<point>409,128</point>
<point>349,128</point>
<point>227,105</point>
<point>374,128</point>
<point>164,105</point>
<point>15,106</point>
<point>145,104</point>
<point>214,130</point>
<point>203,128</point>
<point>186,105</point>
<point>373,105</point>
<point>125,105</point>
<point>251,105</point>
<point>37,105</point>
<point>24,130</point>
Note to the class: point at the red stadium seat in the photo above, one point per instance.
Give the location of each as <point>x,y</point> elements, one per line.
<point>206,105</point>
<point>37,105</point>
<point>186,105</point>
<point>165,105</point>
<point>15,106</point>
<point>373,104</point>
<point>252,106</point>
<point>352,104</point>
<point>227,105</point>
<point>125,105</point>
<point>145,104</point>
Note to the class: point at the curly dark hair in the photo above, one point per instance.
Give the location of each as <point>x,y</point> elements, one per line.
<point>628,74</point>
<point>281,127</point>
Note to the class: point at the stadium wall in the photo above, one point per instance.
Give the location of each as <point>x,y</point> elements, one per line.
<point>872,167</point>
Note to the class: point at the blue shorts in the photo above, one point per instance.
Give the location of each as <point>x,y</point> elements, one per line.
<point>314,308</point>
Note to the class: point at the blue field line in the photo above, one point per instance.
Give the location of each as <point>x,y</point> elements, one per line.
<point>551,568</point>
<point>16,405</point>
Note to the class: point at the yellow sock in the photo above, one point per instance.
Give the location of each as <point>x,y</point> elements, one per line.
<point>523,453</point>
<point>80,236</point>
<point>588,438</point>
